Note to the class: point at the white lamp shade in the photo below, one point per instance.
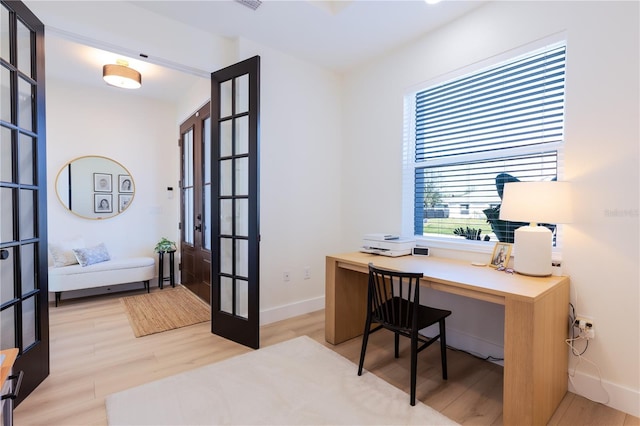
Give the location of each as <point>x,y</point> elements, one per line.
<point>535,202</point>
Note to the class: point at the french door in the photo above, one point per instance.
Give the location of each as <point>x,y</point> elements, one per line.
<point>235,233</point>
<point>195,241</point>
<point>24,315</point>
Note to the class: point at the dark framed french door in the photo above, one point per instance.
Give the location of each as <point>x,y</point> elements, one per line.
<point>195,185</point>
<point>235,234</point>
<point>24,311</point>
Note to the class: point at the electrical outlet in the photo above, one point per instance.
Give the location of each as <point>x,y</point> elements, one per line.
<point>589,333</point>
<point>586,326</point>
<point>307,272</point>
<point>286,276</point>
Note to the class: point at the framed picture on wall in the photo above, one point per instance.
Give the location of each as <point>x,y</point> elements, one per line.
<point>501,254</point>
<point>102,182</point>
<point>123,201</point>
<point>102,203</point>
<point>125,184</point>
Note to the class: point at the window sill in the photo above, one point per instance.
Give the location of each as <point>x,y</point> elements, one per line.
<point>456,244</point>
<point>463,245</point>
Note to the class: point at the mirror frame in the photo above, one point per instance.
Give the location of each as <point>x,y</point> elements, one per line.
<point>113,189</point>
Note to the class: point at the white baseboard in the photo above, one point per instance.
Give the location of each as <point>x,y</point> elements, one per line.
<point>610,394</point>
<point>288,311</point>
<point>466,342</point>
<point>605,392</point>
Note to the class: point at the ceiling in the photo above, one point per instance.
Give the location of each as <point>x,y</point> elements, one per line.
<point>336,35</point>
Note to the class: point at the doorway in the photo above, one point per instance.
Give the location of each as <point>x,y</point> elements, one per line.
<point>220,233</point>
<point>195,185</point>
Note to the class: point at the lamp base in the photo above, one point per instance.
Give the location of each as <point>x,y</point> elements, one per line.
<point>532,246</point>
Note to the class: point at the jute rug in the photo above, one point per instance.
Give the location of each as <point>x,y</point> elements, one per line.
<point>297,382</point>
<point>164,310</point>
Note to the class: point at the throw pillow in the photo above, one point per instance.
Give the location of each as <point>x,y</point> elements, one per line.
<point>62,253</point>
<point>89,256</point>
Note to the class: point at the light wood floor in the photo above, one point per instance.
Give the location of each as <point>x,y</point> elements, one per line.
<point>94,353</point>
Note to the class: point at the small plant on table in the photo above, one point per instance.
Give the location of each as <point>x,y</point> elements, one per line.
<point>165,245</point>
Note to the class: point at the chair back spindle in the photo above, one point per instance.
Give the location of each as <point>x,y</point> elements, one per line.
<point>392,296</point>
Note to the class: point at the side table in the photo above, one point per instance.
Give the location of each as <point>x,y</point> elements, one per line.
<point>161,278</point>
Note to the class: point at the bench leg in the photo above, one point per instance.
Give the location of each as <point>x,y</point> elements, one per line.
<point>58,294</point>
<point>146,285</point>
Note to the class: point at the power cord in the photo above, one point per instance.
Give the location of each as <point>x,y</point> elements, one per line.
<point>480,357</point>
<point>580,355</point>
<point>483,358</point>
<point>574,337</point>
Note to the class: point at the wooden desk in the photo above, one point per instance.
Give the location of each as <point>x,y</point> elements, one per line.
<point>535,326</point>
<point>8,359</point>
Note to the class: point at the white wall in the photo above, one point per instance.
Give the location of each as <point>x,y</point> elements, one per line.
<point>300,179</point>
<point>602,155</point>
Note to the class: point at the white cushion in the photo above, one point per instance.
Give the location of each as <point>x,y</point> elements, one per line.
<point>111,272</point>
<point>62,253</point>
<point>111,265</point>
<point>89,256</point>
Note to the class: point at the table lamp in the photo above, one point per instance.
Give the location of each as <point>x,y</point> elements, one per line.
<point>535,202</point>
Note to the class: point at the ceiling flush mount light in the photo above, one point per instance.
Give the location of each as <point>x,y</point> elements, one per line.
<point>120,75</point>
<point>432,1</point>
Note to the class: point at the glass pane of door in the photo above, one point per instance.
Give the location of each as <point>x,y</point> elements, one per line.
<point>7,329</point>
<point>206,182</point>
<point>6,85</point>
<point>187,185</point>
<point>7,272</point>
<point>24,41</point>
<point>26,94</point>
<point>26,152</point>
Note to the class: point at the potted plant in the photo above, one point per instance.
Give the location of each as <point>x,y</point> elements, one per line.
<point>165,245</point>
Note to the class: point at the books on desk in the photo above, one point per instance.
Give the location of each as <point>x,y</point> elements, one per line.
<point>392,247</point>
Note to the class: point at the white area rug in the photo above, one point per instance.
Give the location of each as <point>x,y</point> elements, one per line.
<point>297,382</point>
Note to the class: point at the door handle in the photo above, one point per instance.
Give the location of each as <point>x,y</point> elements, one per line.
<point>197,227</point>
<point>4,254</point>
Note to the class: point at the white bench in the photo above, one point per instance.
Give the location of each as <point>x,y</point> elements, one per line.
<point>111,272</point>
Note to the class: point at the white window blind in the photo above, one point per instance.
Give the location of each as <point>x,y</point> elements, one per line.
<point>475,132</point>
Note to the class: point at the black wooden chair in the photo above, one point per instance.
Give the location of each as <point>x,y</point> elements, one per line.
<point>394,303</point>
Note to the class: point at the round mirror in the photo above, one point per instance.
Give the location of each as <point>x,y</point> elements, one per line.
<point>95,187</point>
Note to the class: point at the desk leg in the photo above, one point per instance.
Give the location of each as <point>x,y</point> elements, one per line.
<point>345,303</point>
<point>536,358</point>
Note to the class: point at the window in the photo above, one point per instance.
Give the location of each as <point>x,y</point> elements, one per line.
<point>467,136</point>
